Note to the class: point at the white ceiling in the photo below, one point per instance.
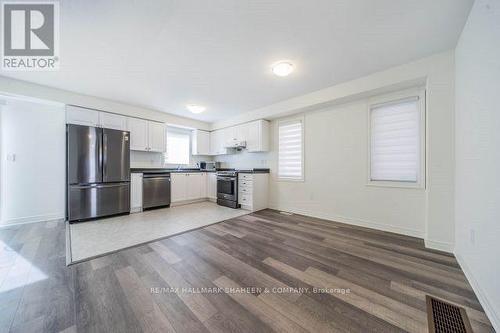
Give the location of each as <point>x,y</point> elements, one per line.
<point>164,54</point>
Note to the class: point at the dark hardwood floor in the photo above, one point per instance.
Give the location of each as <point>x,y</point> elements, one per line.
<point>261,272</point>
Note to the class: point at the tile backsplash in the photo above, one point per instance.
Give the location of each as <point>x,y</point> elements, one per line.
<point>143,159</point>
<point>237,160</point>
<point>243,160</point>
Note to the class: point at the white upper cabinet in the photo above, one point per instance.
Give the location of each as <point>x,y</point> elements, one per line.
<point>146,135</point>
<point>241,132</point>
<point>82,116</point>
<point>201,142</point>
<point>89,117</point>
<point>257,136</point>
<point>230,135</point>
<point>156,137</point>
<point>113,121</point>
<point>138,133</point>
<point>217,143</point>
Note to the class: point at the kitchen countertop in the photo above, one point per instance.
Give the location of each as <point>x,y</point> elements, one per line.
<point>171,170</point>
<point>175,170</point>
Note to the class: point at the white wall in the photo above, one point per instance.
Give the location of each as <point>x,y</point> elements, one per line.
<point>335,186</point>
<point>428,214</point>
<point>32,186</point>
<point>477,206</point>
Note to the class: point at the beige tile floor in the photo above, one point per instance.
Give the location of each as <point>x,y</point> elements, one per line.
<point>95,238</point>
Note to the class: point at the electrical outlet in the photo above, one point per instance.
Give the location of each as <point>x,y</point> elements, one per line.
<point>472,236</point>
<point>11,157</point>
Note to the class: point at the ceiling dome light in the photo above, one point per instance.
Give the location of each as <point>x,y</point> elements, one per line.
<point>195,108</point>
<point>282,68</point>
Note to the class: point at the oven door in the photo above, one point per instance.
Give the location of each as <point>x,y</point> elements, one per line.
<point>227,188</point>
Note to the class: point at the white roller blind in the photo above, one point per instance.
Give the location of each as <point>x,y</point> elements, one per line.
<point>395,141</point>
<point>177,146</point>
<point>290,164</point>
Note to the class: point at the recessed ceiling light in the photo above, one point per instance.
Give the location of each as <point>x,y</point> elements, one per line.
<point>282,68</point>
<point>195,108</point>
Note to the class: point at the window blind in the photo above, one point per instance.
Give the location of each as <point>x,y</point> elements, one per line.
<point>290,164</point>
<point>395,141</point>
<point>177,146</point>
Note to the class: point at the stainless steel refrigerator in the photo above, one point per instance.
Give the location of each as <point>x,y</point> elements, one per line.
<point>98,172</point>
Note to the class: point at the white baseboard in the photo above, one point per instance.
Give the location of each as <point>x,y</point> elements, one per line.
<point>32,219</point>
<point>187,202</point>
<point>490,311</point>
<point>355,221</point>
<point>437,245</point>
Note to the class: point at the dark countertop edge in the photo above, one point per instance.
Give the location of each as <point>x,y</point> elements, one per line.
<point>153,170</point>
<point>254,171</point>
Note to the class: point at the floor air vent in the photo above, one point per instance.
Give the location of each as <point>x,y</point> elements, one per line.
<point>286,213</point>
<point>446,318</point>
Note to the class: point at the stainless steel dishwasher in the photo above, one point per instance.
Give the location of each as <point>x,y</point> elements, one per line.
<point>155,190</point>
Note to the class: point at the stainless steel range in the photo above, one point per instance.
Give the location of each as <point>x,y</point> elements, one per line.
<point>227,188</point>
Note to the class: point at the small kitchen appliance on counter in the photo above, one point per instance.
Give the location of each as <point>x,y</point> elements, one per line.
<point>209,166</point>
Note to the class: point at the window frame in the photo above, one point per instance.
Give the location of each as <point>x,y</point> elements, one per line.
<point>182,131</point>
<point>392,98</point>
<point>300,118</point>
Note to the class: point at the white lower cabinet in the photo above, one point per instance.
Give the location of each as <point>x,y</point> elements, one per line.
<point>188,186</point>
<point>253,190</point>
<point>178,187</point>
<point>195,186</point>
<point>136,192</point>
<point>212,185</point>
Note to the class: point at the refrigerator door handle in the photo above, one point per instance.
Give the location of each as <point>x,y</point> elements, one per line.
<point>156,178</point>
<point>111,185</point>
<point>82,187</point>
<point>104,159</point>
<point>100,161</point>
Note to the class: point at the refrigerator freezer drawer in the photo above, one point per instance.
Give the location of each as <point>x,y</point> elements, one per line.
<point>98,200</point>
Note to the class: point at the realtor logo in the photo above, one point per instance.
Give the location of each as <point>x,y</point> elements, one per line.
<point>30,36</point>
